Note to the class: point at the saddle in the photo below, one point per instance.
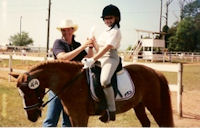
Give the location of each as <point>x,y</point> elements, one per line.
<point>124,92</point>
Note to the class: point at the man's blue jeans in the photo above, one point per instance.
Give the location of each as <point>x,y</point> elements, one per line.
<point>53,113</point>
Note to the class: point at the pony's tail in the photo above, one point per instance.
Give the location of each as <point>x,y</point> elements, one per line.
<point>166,110</point>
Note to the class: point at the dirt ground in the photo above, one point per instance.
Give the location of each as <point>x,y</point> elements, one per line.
<point>190,109</point>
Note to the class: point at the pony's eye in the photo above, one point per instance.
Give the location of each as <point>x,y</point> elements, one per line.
<point>20,92</point>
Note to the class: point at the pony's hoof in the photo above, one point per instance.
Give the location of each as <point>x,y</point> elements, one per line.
<point>107,116</point>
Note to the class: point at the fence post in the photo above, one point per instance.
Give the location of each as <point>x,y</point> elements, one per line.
<point>180,90</point>
<point>45,58</point>
<point>170,56</point>
<point>10,67</point>
<point>164,55</point>
<point>192,57</point>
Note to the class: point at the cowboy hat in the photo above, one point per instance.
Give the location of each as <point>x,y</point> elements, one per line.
<point>67,24</point>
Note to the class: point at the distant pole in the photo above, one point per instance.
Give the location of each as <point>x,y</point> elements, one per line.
<point>167,10</point>
<point>160,16</point>
<point>10,67</point>
<point>181,4</point>
<point>48,26</point>
<point>20,27</point>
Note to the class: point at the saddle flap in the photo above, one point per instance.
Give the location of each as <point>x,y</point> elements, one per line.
<point>125,86</point>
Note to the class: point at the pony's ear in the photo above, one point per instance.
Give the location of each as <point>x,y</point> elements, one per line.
<point>15,75</point>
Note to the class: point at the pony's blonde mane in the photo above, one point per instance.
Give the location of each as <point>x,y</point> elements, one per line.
<point>58,63</point>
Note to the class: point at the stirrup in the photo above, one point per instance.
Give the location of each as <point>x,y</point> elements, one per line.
<point>107,116</point>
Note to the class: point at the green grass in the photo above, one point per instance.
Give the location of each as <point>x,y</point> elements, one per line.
<point>13,114</point>
<point>11,107</point>
<point>18,64</point>
<point>191,77</point>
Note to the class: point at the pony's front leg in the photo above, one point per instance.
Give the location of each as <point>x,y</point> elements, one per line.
<point>78,115</point>
<point>81,121</point>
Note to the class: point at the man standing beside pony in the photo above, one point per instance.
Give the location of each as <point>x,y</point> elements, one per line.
<point>65,48</point>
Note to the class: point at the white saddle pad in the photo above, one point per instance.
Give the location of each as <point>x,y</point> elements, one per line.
<point>124,83</point>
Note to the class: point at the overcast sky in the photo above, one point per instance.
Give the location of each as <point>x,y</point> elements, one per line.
<point>136,14</point>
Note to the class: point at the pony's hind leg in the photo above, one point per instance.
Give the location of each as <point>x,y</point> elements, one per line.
<point>161,108</point>
<point>141,115</point>
<point>157,112</point>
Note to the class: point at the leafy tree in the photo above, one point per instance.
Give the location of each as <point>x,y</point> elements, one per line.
<point>185,35</point>
<point>129,48</point>
<point>21,39</point>
<point>184,38</point>
<point>197,27</point>
<point>173,43</point>
<point>166,29</point>
<point>172,39</point>
<point>191,9</point>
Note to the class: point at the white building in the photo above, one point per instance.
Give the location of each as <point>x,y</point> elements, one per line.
<point>150,45</point>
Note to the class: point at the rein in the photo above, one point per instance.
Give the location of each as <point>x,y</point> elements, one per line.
<point>41,103</point>
<point>64,87</point>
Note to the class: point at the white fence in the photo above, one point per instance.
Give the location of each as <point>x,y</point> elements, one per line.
<point>166,56</point>
<point>17,57</point>
<point>178,87</point>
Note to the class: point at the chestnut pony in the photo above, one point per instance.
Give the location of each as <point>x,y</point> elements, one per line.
<point>68,80</point>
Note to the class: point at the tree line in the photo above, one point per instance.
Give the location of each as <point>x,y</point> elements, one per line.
<point>185,34</point>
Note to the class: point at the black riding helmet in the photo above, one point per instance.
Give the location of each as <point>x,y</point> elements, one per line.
<point>112,10</point>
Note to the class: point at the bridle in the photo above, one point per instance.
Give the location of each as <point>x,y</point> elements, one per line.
<point>40,104</point>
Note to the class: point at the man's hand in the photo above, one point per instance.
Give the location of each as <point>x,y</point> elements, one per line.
<point>87,43</point>
<point>88,62</point>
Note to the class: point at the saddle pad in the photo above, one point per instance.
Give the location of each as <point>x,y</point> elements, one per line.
<point>124,83</point>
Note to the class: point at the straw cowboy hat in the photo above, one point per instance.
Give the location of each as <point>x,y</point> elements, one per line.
<point>67,24</point>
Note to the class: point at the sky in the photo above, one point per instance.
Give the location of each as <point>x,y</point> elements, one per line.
<point>135,14</point>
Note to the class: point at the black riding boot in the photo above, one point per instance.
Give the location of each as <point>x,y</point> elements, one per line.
<point>110,99</point>
<point>107,116</point>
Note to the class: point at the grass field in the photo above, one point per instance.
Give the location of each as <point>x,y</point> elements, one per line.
<point>16,64</point>
<point>13,114</point>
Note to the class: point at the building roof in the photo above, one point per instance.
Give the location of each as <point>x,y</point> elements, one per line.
<point>151,32</point>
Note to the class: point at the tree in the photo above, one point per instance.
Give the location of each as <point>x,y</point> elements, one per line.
<point>185,35</point>
<point>182,4</point>
<point>21,39</point>
<point>166,29</point>
<point>172,39</point>
<point>192,9</point>
<point>129,48</point>
<point>197,27</point>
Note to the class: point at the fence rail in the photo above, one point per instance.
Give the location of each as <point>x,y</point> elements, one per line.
<point>178,87</point>
<point>166,56</point>
<point>19,57</point>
